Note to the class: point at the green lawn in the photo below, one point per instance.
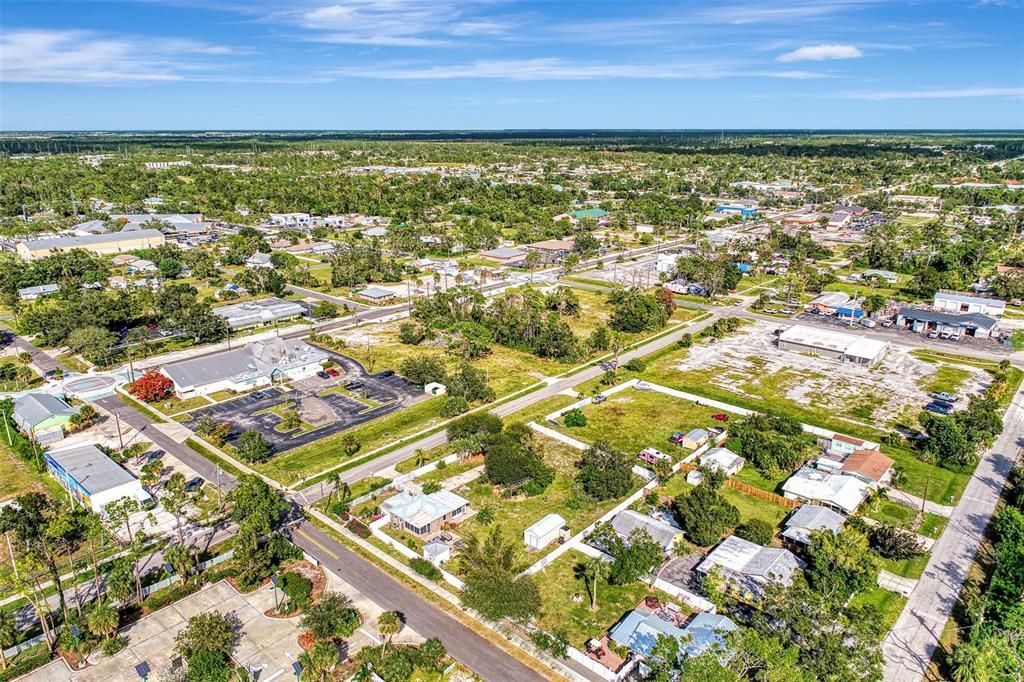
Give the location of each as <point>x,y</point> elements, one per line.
<point>306,460</point>
<point>932,525</point>
<point>749,507</point>
<point>560,581</point>
<point>751,476</point>
<point>946,379</point>
<point>208,454</point>
<point>172,406</point>
<point>632,420</point>
<point>889,603</point>
<point>73,362</point>
<point>908,568</point>
<point>516,514</point>
<point>892,513</point>
<point>15,476</point>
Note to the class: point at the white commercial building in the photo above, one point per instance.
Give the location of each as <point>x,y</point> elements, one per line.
<point>836,345</point>
<point>257,364</point>
<point>956,302</point>
<point>92,478</point>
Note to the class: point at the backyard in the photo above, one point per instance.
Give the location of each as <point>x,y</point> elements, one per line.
<point>565,594</point>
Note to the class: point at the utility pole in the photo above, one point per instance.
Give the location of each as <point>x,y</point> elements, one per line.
<point>117,421</point>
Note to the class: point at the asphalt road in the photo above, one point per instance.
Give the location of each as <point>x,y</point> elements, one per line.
<point>141,423</point>
<point>912,641</point>
<point>469,648</point>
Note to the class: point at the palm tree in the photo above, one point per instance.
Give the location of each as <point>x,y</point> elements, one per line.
<point>876,496</point>
<point>181,560</point>
<point>320,662</point>
<point>388,626</point>
<point>594,568</point>
<point>8,634</point>
<point>103,620</point>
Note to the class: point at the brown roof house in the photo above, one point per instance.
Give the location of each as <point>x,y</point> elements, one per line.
<point>870,466</point>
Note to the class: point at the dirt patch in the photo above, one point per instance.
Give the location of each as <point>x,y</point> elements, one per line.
<point>749,363</point>
<point>357,337</point>
<point>315,411</point>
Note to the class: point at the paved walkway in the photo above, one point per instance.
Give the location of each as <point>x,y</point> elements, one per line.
<point>895,583</point>
<point>912,641</point>
<point>914,501</point>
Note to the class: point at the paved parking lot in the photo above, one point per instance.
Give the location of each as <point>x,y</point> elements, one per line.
<point>267,644</point>
<point>897,335</point>
<point>329,414</point>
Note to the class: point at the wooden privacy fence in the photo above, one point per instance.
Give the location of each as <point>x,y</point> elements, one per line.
<point>748,489</point>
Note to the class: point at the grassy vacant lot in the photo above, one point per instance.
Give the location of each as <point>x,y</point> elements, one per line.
<point>767,393</point>
<point>947,379</point>
<point>516,514</point>
<point>31,377</point>
<point>632,420</point>
<point>306,460</point>
<point>15,476</point>
<point>561,580</point>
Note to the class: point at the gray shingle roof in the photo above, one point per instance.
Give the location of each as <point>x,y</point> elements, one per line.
<point>256,359</point>
<point>627,521</point>
<point>90,240</point>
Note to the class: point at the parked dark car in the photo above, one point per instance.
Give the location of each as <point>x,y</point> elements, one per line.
<point>354,385</point>
<point>194,485</point>
<point>387,373</point>
<point>937,408</point>
<point>323,375</point>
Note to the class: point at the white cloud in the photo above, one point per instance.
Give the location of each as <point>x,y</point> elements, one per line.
<point>952,93</point>
<point>817,53</point>
<point>550,68</point>
<point>394,23</point>
<point>89,58</point>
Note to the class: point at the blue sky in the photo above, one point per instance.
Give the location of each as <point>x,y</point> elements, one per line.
<point>465,64</point>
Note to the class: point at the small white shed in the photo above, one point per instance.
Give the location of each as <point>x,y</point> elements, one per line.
<point>435,388</point>
<point>541,534</point>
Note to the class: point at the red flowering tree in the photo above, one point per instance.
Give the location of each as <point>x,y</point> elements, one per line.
<point>151,386</point>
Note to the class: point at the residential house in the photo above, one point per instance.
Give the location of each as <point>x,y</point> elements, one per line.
<point>257,364</point>
<point>259,260</point>
<point>142,265</point>
<point>423,514</point>
<point>887,275</point>
<point>807,519</point>
<point>42,416</point>
<point>841,493</point>
<point>695,438</point>
<point>748,568</point>
<point>376,295</point>
<point>374,232</point>
<point>870,466</point>
<point>627,521</point>
<point>32,293</point>
<point>640,629</point>
<point>722,459</point>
